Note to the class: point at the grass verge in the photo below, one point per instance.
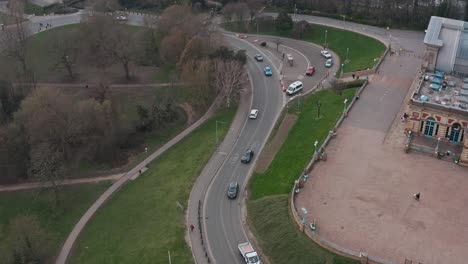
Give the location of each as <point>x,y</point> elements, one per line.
<point>57,221</point>
<point>268,207</point>
<point>280,239</point>
<point>298,148</point>
<point>142,222</point>
<point>356,51</point>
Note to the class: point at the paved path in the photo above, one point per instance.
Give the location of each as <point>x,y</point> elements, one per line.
<point>35,185</point>
<point>67,246</point>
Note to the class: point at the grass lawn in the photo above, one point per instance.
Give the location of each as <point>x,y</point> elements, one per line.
<point>363,50</point>
<point>279,237</point>
<point>298,148</point>
<point>268,206</point>
<point>59,221</point>
<point>142,222</point>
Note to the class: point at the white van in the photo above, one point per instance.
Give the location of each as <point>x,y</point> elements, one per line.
<point>294,88</point>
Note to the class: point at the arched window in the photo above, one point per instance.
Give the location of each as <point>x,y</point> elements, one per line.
<point>455,132</point>
<point>429,128</point>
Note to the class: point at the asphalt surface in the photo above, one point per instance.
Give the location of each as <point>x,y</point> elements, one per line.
<point>223,217</point>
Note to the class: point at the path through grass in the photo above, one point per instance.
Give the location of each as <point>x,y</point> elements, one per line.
<point>142,222</point>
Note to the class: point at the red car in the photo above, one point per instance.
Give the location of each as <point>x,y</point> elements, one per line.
<point>242,36</point>
<point>310,71</point>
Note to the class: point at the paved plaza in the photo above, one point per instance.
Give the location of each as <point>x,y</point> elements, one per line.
<point>361,197</point>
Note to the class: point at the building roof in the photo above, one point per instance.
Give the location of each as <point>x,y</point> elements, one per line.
<point>436,25</point>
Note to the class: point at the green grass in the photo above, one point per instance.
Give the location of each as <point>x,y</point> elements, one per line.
<point>58,221</point>
<point>363,50</point>
<point>279,237</point>
<point>142,222</point>
<point>268,204</point>
<point>298,148</point>
<point>33,9</point>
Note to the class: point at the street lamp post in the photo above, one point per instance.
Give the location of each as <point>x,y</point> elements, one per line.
<point>437,146</point>
<point>342,66</point>
<point>315,148</point>
<point>344,102</point>
<point>326,33</point>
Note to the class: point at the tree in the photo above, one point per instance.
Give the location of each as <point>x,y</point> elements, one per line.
<point>64,50</point>
<point>195,49</point>
<point>240,11</point>
<point>173,16</point>
<point>228,78</point>
<point>14,154</point>
<point>254,6</point>
<point>28,242</point>
<point>102,6</point>
<point>122,46</point>
<point>300,28</point>
<point>228,11</point>
<point>197,74</point>
<point>172,46</point>
<point>283,22</point>
<point>10,99</point>
<point>95,38</point>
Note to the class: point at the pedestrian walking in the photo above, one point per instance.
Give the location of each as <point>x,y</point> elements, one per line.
<point>191,227</point>
<point>146,149</point>
<point>139,171</point>
<point>417,196</point>
<point>354,76</point>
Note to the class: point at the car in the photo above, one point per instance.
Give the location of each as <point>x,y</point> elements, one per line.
<point>121,18</point>
<point>232,190</point>
<point>326,54</point>
<point>242,36</point>
<point>329,63</point>
<point>295,87</point>
<point>268,71</point>
<point>310,71</point>
<point>253,114</point>
<point>247,157</point>
<point>258,57</point>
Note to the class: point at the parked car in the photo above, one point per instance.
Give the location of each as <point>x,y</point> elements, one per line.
<point>121,18</point>
<point>258,57</point>
<point>326,54</point>
<point>294,88</point>
<point>310,71</point>
<point>329,63</point>
<point>242,36</point>
<point>268,71</point>
<point>232,190</point>
<point>247,157</point>
<point>253,114</point>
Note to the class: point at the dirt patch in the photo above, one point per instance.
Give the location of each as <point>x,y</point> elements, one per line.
<point>274,145</point>
<point>188,109</point>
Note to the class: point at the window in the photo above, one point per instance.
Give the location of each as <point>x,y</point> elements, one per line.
<point>429,128</point>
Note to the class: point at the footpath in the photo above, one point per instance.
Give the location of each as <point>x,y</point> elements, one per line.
<point>130,175</point>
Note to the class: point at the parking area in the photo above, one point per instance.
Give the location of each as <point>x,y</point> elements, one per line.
<point>362,196</point>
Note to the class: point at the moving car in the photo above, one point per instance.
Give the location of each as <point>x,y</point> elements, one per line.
<point>294,88</point>
<point>247,157</point>
<point>242,36</point>
<point>310,71</point>
<point>326,54</point>
<point>232,190</point>
<point>121,18</point>
<point>258,57</point>
<point>268,71</point>
<point>248,253</point>
<point>329,63</point>
<point>253,114</point>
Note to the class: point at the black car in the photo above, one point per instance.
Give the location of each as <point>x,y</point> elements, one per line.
<point>258,57</point>
<point>232,190</point>
<point>247,157</point>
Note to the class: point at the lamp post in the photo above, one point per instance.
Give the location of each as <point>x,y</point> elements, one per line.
<point>295,10</point>
<point>315,147</point>
<point>304,218</point>
<point>344,102</point>
<point>436,150</point>
<point>342,66</point>
<point>326,33</point>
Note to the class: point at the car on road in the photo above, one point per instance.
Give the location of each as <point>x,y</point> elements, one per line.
<point>247,157</point>
<point>310,71</point>
<point>232,190</point>
<point>294,88</point>
<point>329,63</point>
<point>253,114</point>
<point>258,57</point>
<point>268,71</point>
<point>242,36</point>
<point>121,18</point>
<point>326,54</point>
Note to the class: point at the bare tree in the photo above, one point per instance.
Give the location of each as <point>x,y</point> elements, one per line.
<point>240,11</point>
<point>228,11</point>
<point>228,78</point>
<point>103,6</point>
<point>172,46</point>
<point>121,45</point>
<point>95,38</point>
<point>254,6</point>
<point>64,50</point>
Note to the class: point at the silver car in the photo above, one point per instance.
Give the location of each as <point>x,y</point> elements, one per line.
<point>329,63</point>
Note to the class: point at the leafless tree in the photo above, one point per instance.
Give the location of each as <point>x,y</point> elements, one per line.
<point>122,46</point>
<point>64,51</point>
<point>228,78</point>
<point>254,6</point>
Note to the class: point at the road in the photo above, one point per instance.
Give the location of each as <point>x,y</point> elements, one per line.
<point>223,220</point>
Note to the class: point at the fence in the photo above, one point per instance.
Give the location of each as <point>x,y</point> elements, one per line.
<point>201,231</point>
<point>311,233</point>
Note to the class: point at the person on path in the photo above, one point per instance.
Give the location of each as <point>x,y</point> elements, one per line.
<point>191,227</point>
<point>417,196</point>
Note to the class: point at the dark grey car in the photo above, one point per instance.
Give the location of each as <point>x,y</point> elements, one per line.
<point>232,191</point>
<point>247,157</point>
